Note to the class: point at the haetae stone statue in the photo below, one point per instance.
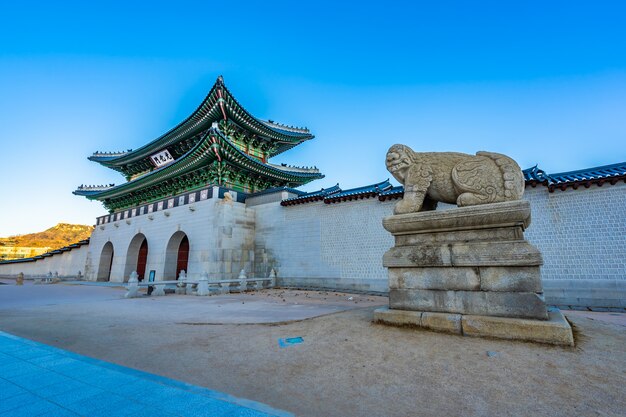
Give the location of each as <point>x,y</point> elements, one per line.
<point>453,178</point>
<point>467,270</point>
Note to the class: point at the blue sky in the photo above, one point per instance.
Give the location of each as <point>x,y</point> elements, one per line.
<point>544,82</point>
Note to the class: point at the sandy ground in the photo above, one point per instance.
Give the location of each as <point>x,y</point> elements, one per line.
<point>346,365</point>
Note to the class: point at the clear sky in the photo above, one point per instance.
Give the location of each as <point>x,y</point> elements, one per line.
<point>542,81</point>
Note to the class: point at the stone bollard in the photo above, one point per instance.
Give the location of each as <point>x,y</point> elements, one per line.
<point>272,278</point>
<point>203,285</point>
<point>243,284</point>
<point>20,279</point>
<point>224,287</point>
<point>159,289</point>
<point>133,285</point>
<point>189,288</point>
<point>259,285</point>
<point>182,282</point>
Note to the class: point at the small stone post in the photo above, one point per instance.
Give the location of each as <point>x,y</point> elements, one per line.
<point>189,287</point>
<point>272,277</point>
<point>182,282</point>
<point>20,279</point>
<point>203,285</point>
<point>159,289</point>
<point>243,284</point>
<point>133,285</point>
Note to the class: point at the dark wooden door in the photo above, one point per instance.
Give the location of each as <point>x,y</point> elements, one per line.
<point>141,259</point>
<point>183,256</point>
<point>110,265</point>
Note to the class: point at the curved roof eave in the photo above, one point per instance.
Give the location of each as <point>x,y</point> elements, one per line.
<point>168,171</point>
<point>252,162</point>
<point>211,112</point>
<point>183,164</point>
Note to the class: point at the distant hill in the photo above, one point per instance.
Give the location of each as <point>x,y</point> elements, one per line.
<point>56,237</point>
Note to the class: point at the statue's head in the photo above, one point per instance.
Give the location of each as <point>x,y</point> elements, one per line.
<point>399,159</point>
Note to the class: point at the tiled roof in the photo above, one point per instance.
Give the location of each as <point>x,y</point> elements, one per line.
<point>392,193</point>
<point>359,193</point>
<point>335,194</point>
<point>535,176</point>
<point>585,177</point>
<point>312,196</point>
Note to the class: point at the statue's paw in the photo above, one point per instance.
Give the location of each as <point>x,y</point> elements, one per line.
<point>399,210</point>
<point>472,199</point>
<point>406,206</point>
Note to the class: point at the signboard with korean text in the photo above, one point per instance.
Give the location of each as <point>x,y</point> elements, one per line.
<point>162,158</point>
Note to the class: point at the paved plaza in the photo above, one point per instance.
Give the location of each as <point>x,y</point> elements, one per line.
<point>310,353</point>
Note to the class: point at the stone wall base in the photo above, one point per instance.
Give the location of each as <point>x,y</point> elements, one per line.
<point>556,330</point>
<point>593,293</point>
<point>370,286</point>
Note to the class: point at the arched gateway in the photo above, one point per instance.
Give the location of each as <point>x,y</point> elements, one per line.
<point>176,255</point>
<point>106,260</point>
<point>136,257</point>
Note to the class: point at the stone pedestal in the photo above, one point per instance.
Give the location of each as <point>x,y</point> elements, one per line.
<point>469,271</point>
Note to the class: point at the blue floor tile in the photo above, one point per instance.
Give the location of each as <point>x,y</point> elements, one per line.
<point>36,379</point>
<point>45,359</point>
<point>17,401</point>
<point>56,363</point>
<point>151,412</point>
<point>18,368</point>
<point>129,389</point>
<point>118,409</point>
<point>56,411</point>
<point>70,397</point>
<point>62,388</point>
<point>8,359</point>
<point>182,403</point>
<point>91,405</point>
<point>10,390</point>
<point>29,353</point>
<point>35,408</point>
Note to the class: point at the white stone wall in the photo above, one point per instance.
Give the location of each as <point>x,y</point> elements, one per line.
<point>582,237</point>
<point>66,264</point>
<point>326,245</point>
<point>581,233</point>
